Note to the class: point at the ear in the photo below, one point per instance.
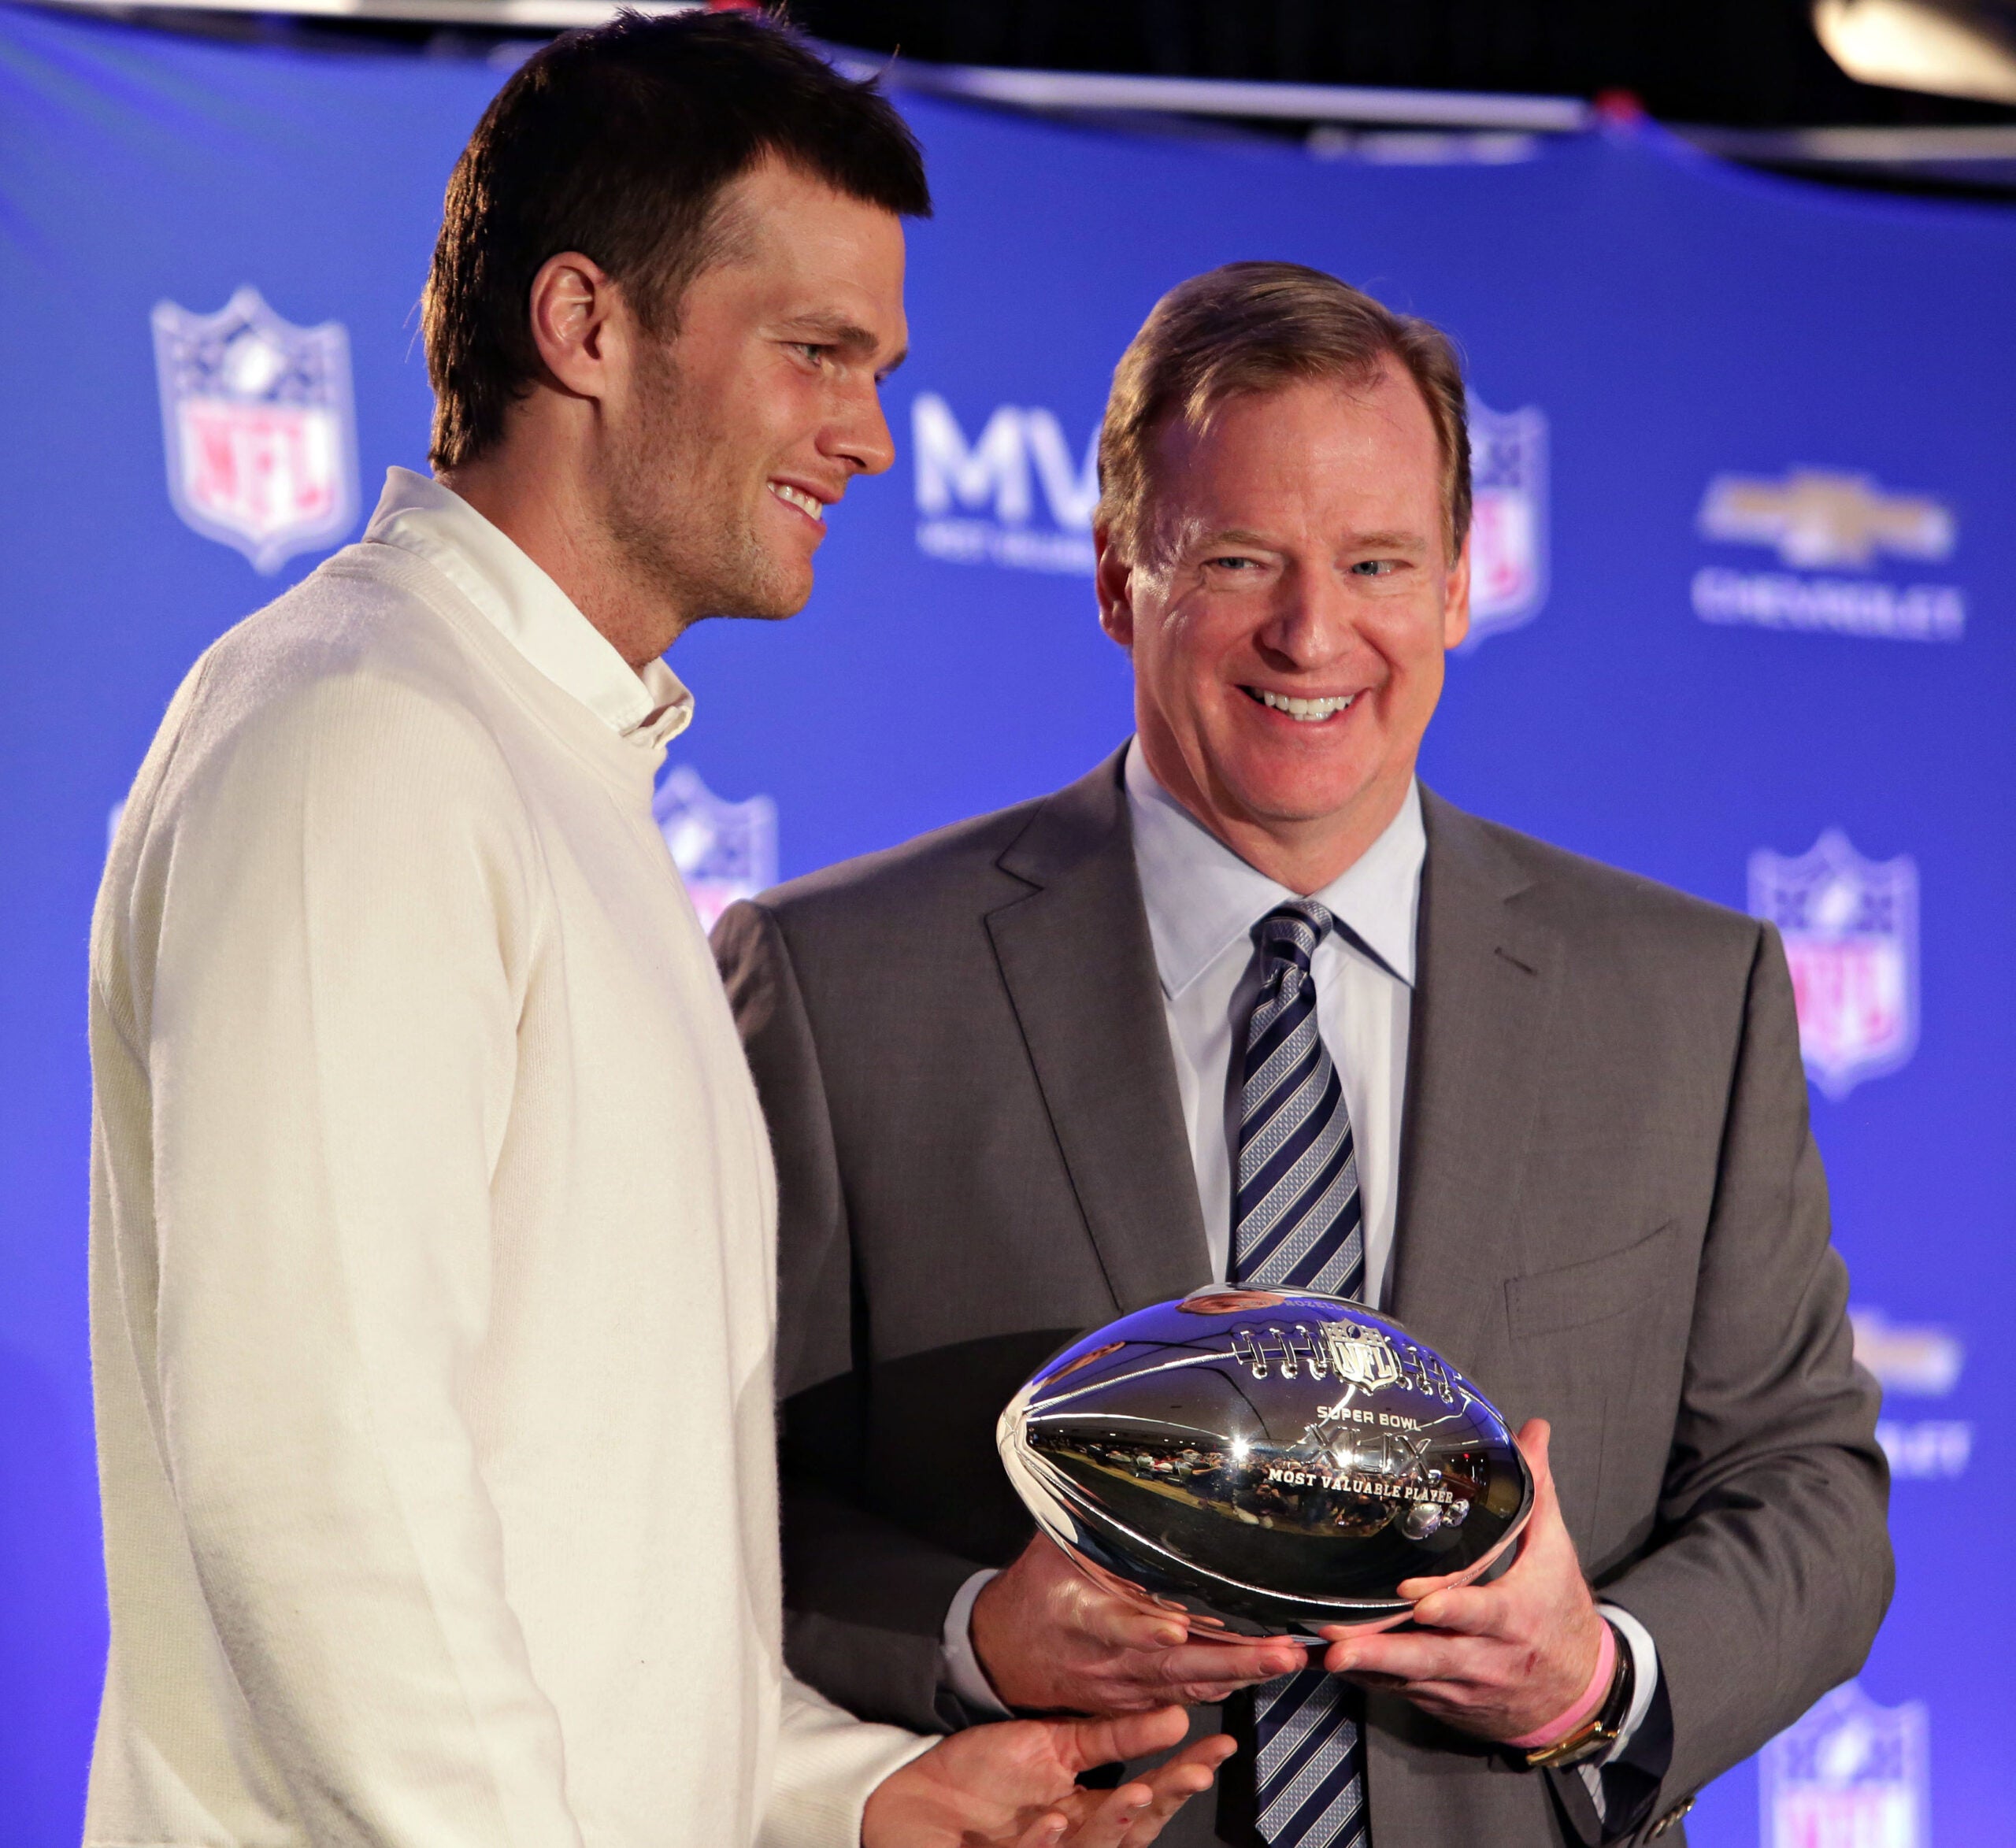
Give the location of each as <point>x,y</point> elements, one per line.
<point>578,324</point>
<point>1112,579</point>
<point>1456,599</point>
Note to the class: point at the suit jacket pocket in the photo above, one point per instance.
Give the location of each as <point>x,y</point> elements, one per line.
<point>1580,1294</point>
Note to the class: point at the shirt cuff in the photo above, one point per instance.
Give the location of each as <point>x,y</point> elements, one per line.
<point>1644,1669</point>
<point>959,1671</point>
<point>829,1764</point>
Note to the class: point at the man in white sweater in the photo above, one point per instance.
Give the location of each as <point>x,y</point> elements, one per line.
<point>432,1212</point>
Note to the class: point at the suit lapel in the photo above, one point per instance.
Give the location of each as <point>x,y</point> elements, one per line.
<point>1079,968</point>
<point>1486,983</point>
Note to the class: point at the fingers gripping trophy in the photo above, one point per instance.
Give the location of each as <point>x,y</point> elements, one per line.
<point>1262,1481</point>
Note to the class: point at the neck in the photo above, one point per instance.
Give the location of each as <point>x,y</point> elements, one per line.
<point>545,512</point>
<point>1305,856</point>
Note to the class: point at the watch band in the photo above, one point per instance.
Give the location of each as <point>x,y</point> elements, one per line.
<point>1597,1733</point>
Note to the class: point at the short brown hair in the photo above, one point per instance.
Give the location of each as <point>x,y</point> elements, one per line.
<point>1256,327</point>
<point>617,142</point>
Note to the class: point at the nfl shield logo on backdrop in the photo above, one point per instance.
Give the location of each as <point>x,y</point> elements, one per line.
<point>724,850</point>
<point>1851,927</point>
<point>1850,1775</point>
<point>1508,518</point>
<point>260,428</point>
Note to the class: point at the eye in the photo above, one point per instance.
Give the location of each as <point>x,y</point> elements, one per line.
<point>814,351</point>
<point>1375,567</point>
<point>1232,562</point>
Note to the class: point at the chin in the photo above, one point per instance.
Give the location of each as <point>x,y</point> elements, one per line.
<point>789,599</point>
<point>787,585</point>
<point>767,596</point>
<point>1285,794</point>
<point>1297,814</point>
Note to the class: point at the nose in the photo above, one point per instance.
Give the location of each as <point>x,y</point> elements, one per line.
<point>860,437</point>
<point>1311,625</point>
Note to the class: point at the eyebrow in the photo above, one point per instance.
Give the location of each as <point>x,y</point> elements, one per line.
<point>834,330</point>
<point>1356,541</point>
<point>1391,542</point>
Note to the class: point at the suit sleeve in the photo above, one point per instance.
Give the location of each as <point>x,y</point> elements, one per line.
<point>865,1601</point>
<point>1771,1567</point>
<point>343,907</point>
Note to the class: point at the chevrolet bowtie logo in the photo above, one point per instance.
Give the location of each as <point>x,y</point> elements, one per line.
<point>1818,518</point>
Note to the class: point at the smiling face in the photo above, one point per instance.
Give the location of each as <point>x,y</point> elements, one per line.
<point>1288,616</point>
<point>728,441</point>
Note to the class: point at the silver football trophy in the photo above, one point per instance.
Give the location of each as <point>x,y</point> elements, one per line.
<point>1268,1461</point>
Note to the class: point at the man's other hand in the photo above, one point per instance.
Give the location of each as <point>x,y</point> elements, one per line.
<point>1502,1660</point>
<point>1015,1785</point>
<point>1050,1639</point>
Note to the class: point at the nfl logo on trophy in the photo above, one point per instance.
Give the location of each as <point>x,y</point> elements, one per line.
<point>260,429</point>
<point>1508,518</point>
<point>1851,927</point>
<point>1849,1774</point>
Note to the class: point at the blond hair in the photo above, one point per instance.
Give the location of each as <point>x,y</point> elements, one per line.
<point>1257,327</point>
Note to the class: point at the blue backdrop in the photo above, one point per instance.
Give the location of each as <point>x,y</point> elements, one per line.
<point>1746,479</point>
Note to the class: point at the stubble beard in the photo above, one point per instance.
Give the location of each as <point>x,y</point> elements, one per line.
<point>680,519</point>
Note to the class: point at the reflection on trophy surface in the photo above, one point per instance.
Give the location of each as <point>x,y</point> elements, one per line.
<point>1267,1461</point>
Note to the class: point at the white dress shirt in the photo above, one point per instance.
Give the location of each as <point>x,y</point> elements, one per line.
<point>647,706</point>
<point>1203,902</point>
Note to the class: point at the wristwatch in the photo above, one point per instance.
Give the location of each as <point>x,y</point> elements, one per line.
<point>1597,1733</point>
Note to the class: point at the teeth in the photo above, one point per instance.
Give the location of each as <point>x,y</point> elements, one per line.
<point>1308,710</point>
<point>798,497</point>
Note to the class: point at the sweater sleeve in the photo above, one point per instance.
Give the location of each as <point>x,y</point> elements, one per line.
<point>341,899</point>
<point>827,1763</point>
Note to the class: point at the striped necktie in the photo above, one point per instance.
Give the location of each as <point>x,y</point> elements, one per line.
<point>1296,1225</point>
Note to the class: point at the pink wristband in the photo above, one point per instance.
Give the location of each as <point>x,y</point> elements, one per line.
<point>1562,1724</point>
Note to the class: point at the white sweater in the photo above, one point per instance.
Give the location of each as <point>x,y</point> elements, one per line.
<point>431,1255</point>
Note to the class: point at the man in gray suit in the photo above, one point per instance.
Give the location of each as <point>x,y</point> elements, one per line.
<point>1247,1003</point>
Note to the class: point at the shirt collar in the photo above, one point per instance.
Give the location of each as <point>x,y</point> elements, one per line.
<point>1201,897</point>
<point>646,707</point>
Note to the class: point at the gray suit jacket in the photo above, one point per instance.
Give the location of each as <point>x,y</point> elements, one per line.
<point>1611,1214</point>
